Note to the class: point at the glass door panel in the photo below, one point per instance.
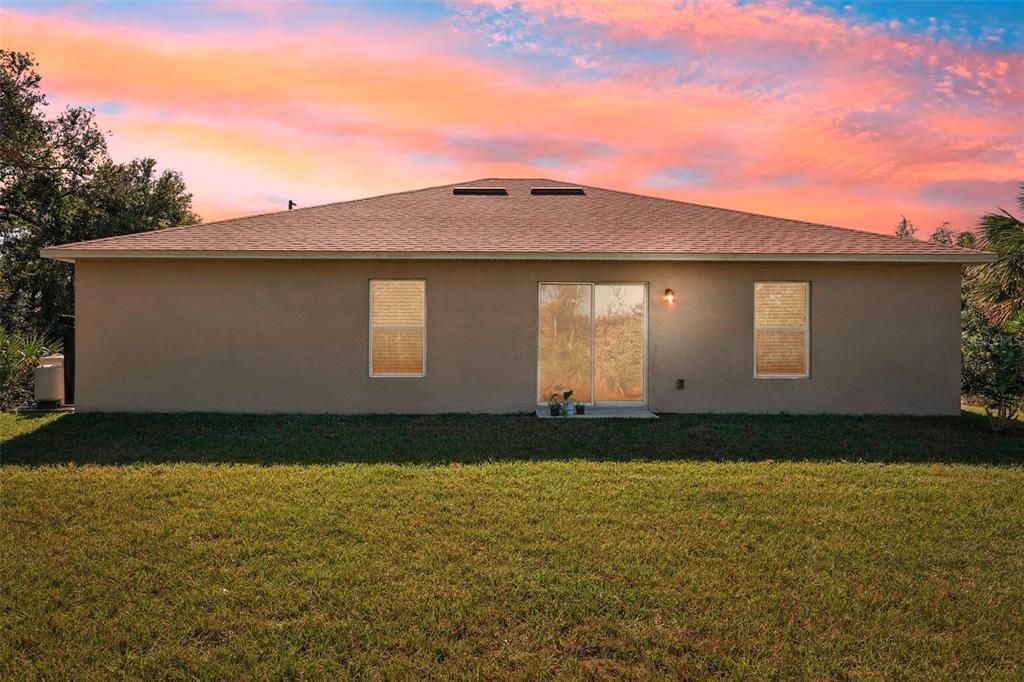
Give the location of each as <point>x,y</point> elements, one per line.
<point>565,341</point>
<point>619,342</point>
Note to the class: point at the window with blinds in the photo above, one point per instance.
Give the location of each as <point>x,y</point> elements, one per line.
<point>398,336</point>
<point>781,329</point>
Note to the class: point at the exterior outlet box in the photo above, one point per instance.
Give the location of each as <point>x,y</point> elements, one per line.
<point>680,384</point>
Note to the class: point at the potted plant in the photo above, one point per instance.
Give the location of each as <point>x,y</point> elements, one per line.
<point>555,405</point>
<point>568,404</point>
<point>581,409</point>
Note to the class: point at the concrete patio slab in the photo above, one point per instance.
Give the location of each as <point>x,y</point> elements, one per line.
<point>604,412</point>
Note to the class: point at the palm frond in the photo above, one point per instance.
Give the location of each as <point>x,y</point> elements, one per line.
<point>1000,285</point>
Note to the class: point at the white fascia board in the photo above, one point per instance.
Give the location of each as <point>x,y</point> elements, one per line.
<point>73,254</point>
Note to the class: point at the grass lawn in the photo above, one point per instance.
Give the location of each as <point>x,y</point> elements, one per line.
<point>220,546</point>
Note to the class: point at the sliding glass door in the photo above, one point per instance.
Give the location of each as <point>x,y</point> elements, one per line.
<point>593,341</point>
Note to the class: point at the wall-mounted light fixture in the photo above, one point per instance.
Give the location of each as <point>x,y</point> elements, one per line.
<point>669,297</point>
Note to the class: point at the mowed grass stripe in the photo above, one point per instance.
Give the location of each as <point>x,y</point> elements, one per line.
<point>511,569</point>
<point>440,439</point>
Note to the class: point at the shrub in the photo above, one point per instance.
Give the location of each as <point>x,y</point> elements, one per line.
<point>19,354</point>
<point>992,366</point>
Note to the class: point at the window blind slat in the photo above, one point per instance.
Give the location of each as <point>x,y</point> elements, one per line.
<point>397,327</point>
<point>397,302</point>
<point>780,329</point>
<point>780,353</point>
<point>398,351</point>
<point>780,304</point>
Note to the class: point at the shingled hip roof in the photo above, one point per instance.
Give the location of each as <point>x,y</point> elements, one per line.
<point>592,224</point>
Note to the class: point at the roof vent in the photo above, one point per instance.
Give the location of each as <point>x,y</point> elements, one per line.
<point>480,191</point>
<point>556,191</point>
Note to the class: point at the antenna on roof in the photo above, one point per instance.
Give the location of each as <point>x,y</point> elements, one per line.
<point>291,204</point>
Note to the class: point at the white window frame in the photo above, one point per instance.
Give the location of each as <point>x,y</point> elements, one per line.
<point>593,284</point>
<point>422,327</point>
<point>805,328</point>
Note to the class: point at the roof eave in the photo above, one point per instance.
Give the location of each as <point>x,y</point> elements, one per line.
<point>72,254</point>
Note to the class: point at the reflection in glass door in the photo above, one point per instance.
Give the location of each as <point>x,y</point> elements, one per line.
<point>619,342</point>
<point>592,342</point>
<point>566,325</point>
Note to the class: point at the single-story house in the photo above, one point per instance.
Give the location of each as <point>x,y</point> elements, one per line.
<point>490,295</point>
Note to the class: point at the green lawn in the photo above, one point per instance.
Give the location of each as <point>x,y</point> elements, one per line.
<point>231,546</point>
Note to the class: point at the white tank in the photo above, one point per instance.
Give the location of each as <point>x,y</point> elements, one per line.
<point>50,383</point>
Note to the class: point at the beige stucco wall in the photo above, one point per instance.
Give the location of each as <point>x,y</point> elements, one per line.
<point>291,336</point>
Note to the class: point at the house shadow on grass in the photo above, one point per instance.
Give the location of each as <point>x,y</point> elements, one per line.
<point>111,439</point>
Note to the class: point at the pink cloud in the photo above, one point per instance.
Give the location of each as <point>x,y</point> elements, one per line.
<point>257,116</point>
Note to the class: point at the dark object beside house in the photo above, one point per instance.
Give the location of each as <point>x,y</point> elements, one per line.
<point>67,333</point>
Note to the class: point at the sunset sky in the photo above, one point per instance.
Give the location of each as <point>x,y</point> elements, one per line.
<point>844,113</point>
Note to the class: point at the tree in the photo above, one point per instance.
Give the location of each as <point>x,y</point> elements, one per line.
<point>992,373</point>
<point>1000,285</point>
<point>905,229</point>
<point>967,240</point>
<point>943,234</point>
<point>19,354</point>
<point>58,184</point>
